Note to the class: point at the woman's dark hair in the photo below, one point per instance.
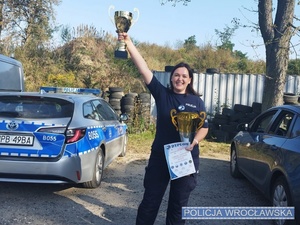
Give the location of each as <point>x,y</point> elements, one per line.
<point>189,88</point>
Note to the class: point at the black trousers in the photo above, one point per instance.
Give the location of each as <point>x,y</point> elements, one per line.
<point>156,181</point>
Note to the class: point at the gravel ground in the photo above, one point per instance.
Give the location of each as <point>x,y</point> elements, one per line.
<point>116,201</point>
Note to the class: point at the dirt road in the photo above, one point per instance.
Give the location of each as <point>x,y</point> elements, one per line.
<point>116,201</point>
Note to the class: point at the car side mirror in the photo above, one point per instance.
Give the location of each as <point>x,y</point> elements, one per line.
<point>123,117</point>
<point>242,127</point>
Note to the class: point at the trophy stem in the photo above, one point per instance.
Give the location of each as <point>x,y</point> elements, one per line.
<point>185,139</point>
<point>121,51</point>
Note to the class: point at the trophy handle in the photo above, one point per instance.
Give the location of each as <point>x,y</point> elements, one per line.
<point>138,15</point>
<point>173,117</point>
<point>202,119</point>
<point>109,10</point>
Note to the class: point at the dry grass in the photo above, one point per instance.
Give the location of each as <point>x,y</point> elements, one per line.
<point>141,143</point>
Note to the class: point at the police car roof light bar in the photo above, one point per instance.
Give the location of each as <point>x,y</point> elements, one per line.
<point>70,90</point>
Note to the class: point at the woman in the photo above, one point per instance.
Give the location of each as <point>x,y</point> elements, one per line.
<point>182,97</point>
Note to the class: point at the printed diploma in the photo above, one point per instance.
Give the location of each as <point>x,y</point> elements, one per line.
<point>179,160</point>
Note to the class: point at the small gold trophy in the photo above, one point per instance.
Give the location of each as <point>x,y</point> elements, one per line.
<point>123,20</point>
<point>187,123</point>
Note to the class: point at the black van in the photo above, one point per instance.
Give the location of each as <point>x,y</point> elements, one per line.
<point>11,74</point>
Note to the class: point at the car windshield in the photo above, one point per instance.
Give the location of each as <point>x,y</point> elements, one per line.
<point>34,107</point>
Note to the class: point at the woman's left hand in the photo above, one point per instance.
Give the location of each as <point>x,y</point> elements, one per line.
<point>191,146</point>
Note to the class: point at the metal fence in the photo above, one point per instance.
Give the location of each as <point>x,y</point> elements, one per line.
<point>226,90</point>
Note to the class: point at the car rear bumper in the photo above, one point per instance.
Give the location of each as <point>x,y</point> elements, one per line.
<point>65,170</point>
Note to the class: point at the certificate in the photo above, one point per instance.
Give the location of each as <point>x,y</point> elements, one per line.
<point>179,160</point>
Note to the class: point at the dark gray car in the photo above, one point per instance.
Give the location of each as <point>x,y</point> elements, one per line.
<point>267,153</point>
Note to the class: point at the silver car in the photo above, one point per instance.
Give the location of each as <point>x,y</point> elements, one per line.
<point>56,136</point>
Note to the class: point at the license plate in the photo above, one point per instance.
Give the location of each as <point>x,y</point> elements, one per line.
<point>16,139</point>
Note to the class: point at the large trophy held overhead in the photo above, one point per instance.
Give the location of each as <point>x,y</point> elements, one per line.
<point>187,123</point>
<point>123,20</point>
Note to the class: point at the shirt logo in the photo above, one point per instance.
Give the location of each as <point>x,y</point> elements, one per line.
<point>181,107</point>
<point>191,105</point>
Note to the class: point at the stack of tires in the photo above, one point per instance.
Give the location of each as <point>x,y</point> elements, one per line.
<point>115,96</point>
<point>137,107</point>
<point>224,126</point>
<point>128,104</point>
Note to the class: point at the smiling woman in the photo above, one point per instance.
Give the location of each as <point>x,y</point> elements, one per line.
<point>180,97</point>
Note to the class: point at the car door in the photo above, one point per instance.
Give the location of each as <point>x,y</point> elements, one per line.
<point>111,128</point>
<point>269,153</point>
<point>252,141</point>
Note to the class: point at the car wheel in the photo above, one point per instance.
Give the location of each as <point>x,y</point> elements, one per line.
<point>123,153</point>
<point>281,197</point>
<point>234,168</point>
<point>98,171</point>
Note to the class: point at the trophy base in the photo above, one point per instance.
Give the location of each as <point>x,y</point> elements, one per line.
<point>121,54</point>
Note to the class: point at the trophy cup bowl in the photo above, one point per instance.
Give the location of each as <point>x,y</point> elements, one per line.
<point>123,20</point>
<point>187,123</point>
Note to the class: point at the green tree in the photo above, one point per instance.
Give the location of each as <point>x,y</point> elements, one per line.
<point>226,36</point>
<point>277,35</point>
<point>294,67</point>
<point>190,43</point>
<point>28,20</point>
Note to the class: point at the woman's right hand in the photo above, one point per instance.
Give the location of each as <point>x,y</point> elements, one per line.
<point>123,36</point>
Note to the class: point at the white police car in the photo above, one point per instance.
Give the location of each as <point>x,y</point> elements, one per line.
<point>56,136</point>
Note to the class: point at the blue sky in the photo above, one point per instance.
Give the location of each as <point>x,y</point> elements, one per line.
<point>168,25</point>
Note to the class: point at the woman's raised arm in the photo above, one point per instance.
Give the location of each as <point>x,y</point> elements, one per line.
<point>137,58</point>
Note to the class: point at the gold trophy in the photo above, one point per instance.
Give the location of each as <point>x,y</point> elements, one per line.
<point>187,123</point>
<point>123,20</point>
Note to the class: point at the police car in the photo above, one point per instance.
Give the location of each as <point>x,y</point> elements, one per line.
<point>57,136</point>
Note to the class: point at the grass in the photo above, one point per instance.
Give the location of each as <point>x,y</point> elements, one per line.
<point>141,143</point>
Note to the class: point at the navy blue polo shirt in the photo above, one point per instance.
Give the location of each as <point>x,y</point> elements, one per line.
<point>166,100</point>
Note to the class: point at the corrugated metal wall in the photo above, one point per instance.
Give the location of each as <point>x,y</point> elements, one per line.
<point>219,90</point>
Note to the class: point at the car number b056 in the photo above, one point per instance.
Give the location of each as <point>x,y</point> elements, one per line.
<point>13,139</point>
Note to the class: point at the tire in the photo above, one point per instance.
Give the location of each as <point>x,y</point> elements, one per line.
<point>127,101</point>
<point>124,150</point>
<point>98,171</point>
<point>169,68</point>
<point>128,108</point>
<point>212,70</point>
<point>290,98</point>
<point>281,197</point>
<point>220,135</point>
<point>227,112</point>
<point>115,89</point>
<point>145,97</point>
<point>131,95</point>
<point>256,107</point>
<point>117,95</point>
<point>242,108</point>
<point>234,168</point>
<point>220,119</point>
